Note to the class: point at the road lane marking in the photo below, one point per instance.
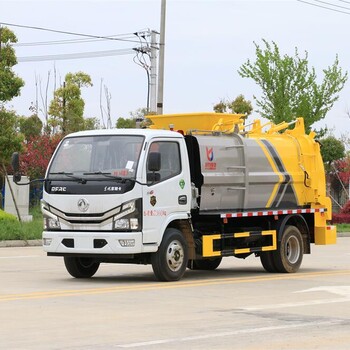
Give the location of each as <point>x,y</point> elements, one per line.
<point>294,304</point>
<point>170,285</point>
<point>230,333</point>
<point>339,290</point>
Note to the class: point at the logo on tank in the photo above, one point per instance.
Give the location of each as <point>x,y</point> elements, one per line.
<point>210,156</point>
<point>210,153</point>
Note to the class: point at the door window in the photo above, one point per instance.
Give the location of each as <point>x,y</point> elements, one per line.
<point>170,163</point>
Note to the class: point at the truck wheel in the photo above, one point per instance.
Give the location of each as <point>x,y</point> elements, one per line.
<point>170,261</point>
<point>81,267</point>
<point>266,259</point>
<point>206,264</point>
<point>289,253</point>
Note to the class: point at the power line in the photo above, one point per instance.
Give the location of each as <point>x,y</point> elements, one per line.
<point>78,55</point>
<point>66,32</point>
<point>69,41</point>
<point>328,3</point>
<point>324,7</point>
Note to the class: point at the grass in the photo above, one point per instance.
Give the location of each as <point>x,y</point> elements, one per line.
<point>12,229</point>
<point>343,227</point>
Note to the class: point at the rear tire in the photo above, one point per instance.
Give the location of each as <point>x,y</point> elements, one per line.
<point>81,267</point>
<point>205,264</point>
<point>266,259</point>
<point>170,261</point>
<point>289,254</point>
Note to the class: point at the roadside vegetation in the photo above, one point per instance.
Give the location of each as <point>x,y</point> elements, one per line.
<point>12,229</point>
<point>343,227</point>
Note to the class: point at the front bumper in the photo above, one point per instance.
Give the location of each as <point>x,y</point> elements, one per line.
<point>66,242</point>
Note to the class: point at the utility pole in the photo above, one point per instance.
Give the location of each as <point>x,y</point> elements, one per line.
<point>161,58</point>
<point>153,69</point>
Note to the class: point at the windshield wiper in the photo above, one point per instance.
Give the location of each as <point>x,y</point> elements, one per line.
<point>110,176</point>
<point>70,175</point>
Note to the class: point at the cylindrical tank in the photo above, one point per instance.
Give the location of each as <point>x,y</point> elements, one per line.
<point>262,171</point>
<point>237,170</point>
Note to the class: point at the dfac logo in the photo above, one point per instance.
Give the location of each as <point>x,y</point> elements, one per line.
<point>83,205</point>
<point>210,153</point>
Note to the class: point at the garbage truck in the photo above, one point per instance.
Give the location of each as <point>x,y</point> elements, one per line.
<point>184,193</point>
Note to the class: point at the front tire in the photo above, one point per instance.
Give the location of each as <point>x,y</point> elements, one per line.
<point>81,267</point>
<point>289,254</point>
<point>170,261</point>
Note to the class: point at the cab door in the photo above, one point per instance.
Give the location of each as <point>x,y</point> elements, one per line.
<point>167,194</point>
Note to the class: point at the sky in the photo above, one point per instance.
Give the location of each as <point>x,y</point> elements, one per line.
<point>206,41</point>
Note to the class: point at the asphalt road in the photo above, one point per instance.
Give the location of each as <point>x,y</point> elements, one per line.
<point>239,306</point>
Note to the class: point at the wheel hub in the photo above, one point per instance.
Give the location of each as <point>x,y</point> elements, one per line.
<point>292,250</point>
<point>175,256</point>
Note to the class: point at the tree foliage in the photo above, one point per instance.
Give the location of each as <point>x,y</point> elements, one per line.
<point>332,150</point>
<point>126,123</point>
<point>342,167</point>
<point>67,107</point>
<point>38,151</point>
<point>289,86</point>
<point>239,105</point>
<point>30,127</point>
<point>10,140</point>
<point>10,83</point>
<point>138,119</point>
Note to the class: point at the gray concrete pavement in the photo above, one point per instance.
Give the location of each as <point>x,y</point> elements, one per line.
<point>239,306</point>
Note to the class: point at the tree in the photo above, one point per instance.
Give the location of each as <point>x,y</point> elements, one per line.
<point>342,166</point>
<point>10,83</point>
<point>38,151</point>
<point>239,105</point>
<point>30,127</point>
<point>138,118</point>
<point>10,140</point>
<point>67,107</point>
<point>126,123</point>
<point>289,86</point>
<point>332,149</point>
<point>91,124</point>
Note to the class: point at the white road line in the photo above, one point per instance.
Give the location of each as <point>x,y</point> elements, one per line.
<point>228,334</point>
<point>295,304</point>
<point>344,291</point>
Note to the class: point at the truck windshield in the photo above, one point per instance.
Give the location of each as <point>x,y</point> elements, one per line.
<point>97,156</point>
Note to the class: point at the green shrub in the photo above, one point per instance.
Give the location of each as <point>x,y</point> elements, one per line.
<point>6,216</point>
<point>12,229</point>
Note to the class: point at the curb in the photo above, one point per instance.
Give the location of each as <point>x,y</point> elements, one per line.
<point>19,243</point>
<point>343,234</point>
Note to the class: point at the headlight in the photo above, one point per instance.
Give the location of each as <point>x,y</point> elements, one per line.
<point>122,224</point>
<point>51,224</point>
<point>51,221</point>
<point>129,218</point>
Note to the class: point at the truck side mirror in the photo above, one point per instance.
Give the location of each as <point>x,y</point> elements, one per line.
<point>154,162</point>
<point>15,167</point>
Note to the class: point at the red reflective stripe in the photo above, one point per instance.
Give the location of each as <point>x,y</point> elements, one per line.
<point>270,213</point>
